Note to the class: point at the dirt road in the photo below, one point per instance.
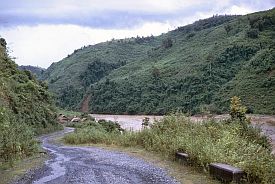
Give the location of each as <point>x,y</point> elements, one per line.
<point>69,164</point>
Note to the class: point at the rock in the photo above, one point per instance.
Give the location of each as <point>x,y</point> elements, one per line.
<point>43,152</point>
<point>62,118</point>
<point>83,119</point>
<point>182,157</point>
<point>76,119</point>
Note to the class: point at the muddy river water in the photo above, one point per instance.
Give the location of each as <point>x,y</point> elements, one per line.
<point>133,122</point>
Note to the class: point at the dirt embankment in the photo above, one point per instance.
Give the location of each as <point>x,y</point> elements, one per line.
<point>85,104</point>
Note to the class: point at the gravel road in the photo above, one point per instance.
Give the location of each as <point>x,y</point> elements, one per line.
<point>70,164</point>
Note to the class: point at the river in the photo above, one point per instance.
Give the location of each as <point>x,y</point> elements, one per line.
<point>133,122</point>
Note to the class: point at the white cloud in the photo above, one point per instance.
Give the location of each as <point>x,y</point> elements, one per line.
<point>43,44</point>
<point>53,39</point>
<point>239,10</point>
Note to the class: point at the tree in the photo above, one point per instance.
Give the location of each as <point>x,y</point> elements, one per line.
<point>155,72</point>
<point>227,28</point>
<point>3,42</point>
<point>167,43</point>
<point>252,33</point>
<point>145,122</point>
<point>237,110</point>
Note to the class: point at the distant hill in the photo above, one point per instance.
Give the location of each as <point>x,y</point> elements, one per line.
<point>37,71</point>
<point>194,69</point>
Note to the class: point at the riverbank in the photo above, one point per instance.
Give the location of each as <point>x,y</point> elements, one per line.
<point>134,122</point>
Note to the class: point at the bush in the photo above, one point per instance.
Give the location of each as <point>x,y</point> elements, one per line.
<point>16,139</point>
<point>167,43</point>
<point>252,33</point>
<point>237,111</point>
<point>110,126</point>
<point>94,132</point>
<point>190,35</point>
<point>145,122</point>
<point>89,135</point>
<point>238,115</point>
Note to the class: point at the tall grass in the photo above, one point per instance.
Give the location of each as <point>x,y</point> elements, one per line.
<point>207,142</point>
<point>94,132</point>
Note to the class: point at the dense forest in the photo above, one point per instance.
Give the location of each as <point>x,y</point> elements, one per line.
<point>193,69</point>
<point>26,109</point>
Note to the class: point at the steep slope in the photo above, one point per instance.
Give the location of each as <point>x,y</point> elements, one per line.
<point>195,69</point>
<point>72,77</point>
<point>26,108</point>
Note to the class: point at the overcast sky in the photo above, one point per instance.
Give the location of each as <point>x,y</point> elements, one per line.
<point>40,32</point>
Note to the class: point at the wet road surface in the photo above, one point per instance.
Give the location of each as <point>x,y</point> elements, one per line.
<point>69,164</point>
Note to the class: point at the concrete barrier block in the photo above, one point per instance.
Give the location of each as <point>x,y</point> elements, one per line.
<point>226,173</point>
<point>182,156</point>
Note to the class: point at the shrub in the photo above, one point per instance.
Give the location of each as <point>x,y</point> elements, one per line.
<point>237,111</point>
<point>190,35</point>
<point>167,43</point>
<point>89,135</point>
<point>110,126</point>
<point>238,116</point>
<point>145,122</point>
<point>16,138</point>
<point>252,33</point>
<point>94,132</point>
<point>228,28</point>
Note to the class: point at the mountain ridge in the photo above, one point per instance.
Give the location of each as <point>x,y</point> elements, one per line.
<point>194,69</point>
<point>36,70</point>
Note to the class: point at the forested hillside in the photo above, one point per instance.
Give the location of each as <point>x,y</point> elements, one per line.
<point>72,77</point>
<point>26,109</point>
<point>195,69</point>
<point>37,71</point>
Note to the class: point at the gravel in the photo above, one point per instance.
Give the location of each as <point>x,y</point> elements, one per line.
<point>69,164</point>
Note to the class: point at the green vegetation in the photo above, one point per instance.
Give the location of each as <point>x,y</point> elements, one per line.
<point>37,71</point>
<point>21,167</point>
<point>237,111</point>
<point>194,69</point>
<point>93,132</point>
<point>226,142</point>
<point>70,80</point>
<point>232,141</point>
<point>26,109</point>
